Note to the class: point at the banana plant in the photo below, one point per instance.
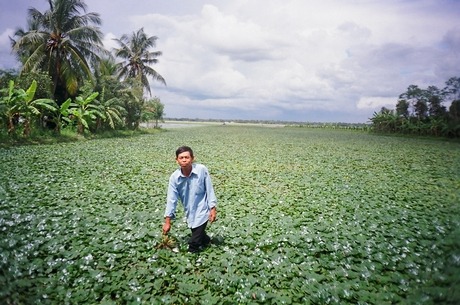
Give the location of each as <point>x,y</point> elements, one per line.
<point>20,103</point>
<point>8,106</point>
<point>85,111</point>
<point>28,108</point>
<point>62,115</point>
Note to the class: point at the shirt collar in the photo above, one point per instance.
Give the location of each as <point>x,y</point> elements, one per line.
<point>191,173</point>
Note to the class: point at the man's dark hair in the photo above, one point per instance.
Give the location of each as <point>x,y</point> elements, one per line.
<point>184,149</point>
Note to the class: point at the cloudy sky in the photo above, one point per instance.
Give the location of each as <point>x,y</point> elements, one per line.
<point>296,60</point>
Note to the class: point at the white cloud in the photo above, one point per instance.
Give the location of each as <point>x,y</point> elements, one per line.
<point>228,35</point>
<point>109,42</point>
<point>5,38</point>
<point>291,55</point>
<point>374,102</point>
<point>318,60</point>
<point>6,58</point>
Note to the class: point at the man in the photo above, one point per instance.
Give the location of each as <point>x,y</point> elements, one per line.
<point>191,183</point>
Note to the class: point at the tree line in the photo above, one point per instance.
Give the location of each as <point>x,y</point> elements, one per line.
<point>67,79</point>
<point>423,112</point>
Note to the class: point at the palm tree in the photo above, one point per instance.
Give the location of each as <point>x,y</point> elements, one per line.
<point>106,67</point>
<point>106,78</point>
<point>63,42</point>
<point>136,58</point>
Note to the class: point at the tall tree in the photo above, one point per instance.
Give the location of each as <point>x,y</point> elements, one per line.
<point>413,95</point>
<point>435,99</point>
<point>421,109</point>
<point>153,110</point>
<point>452,88</point>
<point>132,97</point>
<point>134,51</point>
<point>402,108</point>
<point>64,41</point>
<point>454,111</point>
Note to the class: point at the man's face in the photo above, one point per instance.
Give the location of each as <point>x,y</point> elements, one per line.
<point>184,159</point>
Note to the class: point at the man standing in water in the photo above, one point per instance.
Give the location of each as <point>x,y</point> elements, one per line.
<point>191,183</point>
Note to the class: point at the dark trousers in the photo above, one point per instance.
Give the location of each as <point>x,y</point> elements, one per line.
<point>199,238</point>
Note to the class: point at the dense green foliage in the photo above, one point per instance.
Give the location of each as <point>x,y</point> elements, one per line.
<point>153,111</point>
<point>62,51</point>
<point>305,216</point>
<point>422,112</point>
<point>90,112</point>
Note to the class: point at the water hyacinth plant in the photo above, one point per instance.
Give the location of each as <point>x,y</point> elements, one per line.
<point>306,216</point>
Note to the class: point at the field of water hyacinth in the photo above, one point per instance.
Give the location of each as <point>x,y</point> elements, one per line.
<point>305,216</point>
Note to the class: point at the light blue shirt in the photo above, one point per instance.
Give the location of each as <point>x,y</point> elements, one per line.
<point>195,192</point>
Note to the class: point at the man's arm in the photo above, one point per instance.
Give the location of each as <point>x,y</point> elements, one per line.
<point>211,196</point>
<point>171,203</point>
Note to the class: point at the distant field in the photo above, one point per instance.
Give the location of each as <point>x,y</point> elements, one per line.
<point>305,216</point>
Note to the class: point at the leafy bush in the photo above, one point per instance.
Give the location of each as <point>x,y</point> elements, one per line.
<point>305,216</point>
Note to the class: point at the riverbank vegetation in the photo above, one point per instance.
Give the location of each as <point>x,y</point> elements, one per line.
<point>68,80</point>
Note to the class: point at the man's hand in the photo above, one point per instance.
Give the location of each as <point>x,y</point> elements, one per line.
<point>212,214</point>
<point>166,225</point>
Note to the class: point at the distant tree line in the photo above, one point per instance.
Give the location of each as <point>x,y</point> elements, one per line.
<point>67,79</point>
<point>423,112</point>
<point>325,125</point>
